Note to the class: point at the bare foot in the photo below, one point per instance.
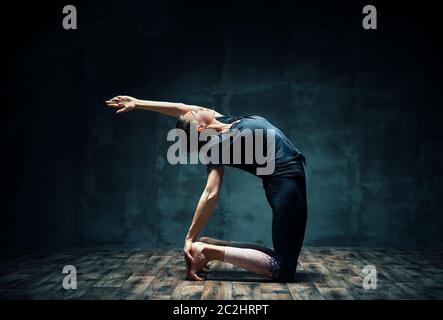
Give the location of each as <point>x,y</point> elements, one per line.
<point>200,260</point>
<point>213,241</point>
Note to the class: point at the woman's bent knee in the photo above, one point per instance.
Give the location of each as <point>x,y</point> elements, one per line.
<point>279,272</point>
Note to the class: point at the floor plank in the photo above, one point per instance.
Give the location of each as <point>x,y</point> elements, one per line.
<point>217,290</point>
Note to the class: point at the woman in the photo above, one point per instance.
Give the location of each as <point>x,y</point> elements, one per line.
<point>285,190</point>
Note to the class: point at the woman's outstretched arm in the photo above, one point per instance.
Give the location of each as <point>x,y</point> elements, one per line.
<point>128,103</point>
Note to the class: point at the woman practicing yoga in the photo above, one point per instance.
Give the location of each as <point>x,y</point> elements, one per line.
<point>285,190</point>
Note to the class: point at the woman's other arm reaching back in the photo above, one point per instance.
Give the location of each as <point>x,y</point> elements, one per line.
<point>127,103</point>
<point>204,209</point>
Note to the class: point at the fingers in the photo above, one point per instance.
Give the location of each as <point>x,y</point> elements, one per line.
<point>196,277</point>
<point>188,256</point>
<point>187,260</point>
<point>190,274</point>
<point>123,109</point>
<point>188,267</point>
<point>114,104</point>
<point>116,101</point>
<point>123,102</point>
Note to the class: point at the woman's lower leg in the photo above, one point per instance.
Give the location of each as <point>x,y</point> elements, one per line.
<point>249,259</point>
<point>237,244</point>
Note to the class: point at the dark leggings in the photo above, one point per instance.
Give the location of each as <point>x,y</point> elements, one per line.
<point>287,197</point>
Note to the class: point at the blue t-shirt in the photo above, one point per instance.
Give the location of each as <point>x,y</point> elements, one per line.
<point>288,159</point>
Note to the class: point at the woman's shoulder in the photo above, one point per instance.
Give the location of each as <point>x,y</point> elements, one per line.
<point>255,117</point>
<point>252,116</point>
<point>247,117</point>
<point>226,117</point>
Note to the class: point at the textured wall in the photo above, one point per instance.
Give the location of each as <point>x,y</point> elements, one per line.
<point>362,106</point>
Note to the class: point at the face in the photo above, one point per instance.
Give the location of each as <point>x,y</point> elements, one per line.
<point>203,116</point>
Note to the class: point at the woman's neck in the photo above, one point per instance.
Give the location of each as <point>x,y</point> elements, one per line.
<point>219,126</point>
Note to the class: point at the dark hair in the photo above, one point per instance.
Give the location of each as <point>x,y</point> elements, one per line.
<point>185,125</point>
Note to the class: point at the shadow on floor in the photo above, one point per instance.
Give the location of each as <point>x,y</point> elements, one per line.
<point>245,276</point>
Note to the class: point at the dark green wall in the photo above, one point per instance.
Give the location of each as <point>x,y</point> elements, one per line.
<point>363,106</point>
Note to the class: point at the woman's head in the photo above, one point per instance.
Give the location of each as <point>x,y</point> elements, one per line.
<point>203,117</point>
<point>198,119</point>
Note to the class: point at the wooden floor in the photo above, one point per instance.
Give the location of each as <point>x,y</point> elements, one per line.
<point>117,273</point>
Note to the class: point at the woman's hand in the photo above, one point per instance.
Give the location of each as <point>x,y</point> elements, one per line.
<point>188,256</point>
<point>195,261</point>
<point>123,103</point>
